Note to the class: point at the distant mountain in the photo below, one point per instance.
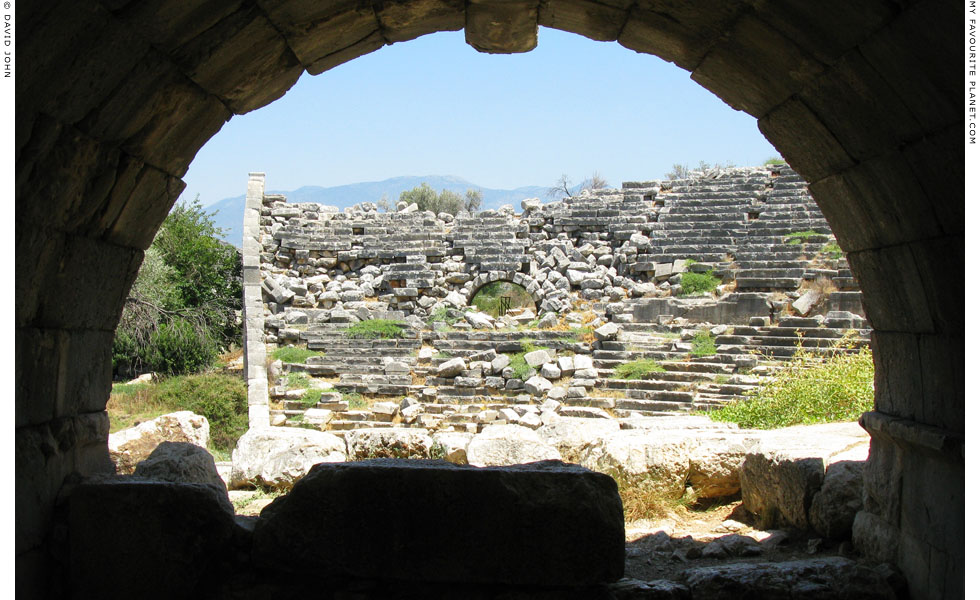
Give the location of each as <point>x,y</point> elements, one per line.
<point>230,211</point>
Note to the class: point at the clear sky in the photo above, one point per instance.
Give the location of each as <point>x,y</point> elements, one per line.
<point>435,106</point>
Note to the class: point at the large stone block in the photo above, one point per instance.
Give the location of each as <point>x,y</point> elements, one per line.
<point>278,457</point>
<point>131,538</point>
<point>545,523</point>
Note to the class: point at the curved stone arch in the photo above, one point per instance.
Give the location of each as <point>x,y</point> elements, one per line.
<point>862,99</point>
<point>532,287</point>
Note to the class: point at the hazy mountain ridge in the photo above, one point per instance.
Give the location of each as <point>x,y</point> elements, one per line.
<point>230,211</point>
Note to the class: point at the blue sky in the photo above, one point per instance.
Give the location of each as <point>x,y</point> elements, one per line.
<point>435,106</point>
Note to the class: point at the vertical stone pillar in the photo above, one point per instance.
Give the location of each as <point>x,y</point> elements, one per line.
<point>252,313</point>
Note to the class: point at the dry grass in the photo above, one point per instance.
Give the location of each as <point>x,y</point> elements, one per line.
<point>644,498</point>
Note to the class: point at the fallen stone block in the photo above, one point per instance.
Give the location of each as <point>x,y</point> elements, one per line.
<point>277,457</point>
<point>133,538</point>
<point>780,477</point>
<point>346,512</point>
<point>499,445</point>
<point>130,446</point>
<point>400,442</point>
<point>181,462</point>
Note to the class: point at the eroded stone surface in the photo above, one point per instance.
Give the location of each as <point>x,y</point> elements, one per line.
<point>277,457</point>
<point>130,446</point>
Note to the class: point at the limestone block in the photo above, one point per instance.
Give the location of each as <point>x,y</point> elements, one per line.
<point>805,303</point>
<point>827,577</point>
<point>530,420</point>
<point>780,476</point>
<point>279,457</point>
<point>450,368</point>
<point>336,510</point>
<point>581,361</point>
<point>557,393</point>
<point>573,436</point>
<point>181,462</point>
<point>835,505</point>
<point>537,386</point>
<point>550,371</point>
<point>395,442</point>
<point>549,319</point>
<point>500,445</point>
<point>499,363</point>
<point>609,331</point>
<point>130,446</point>
<point>661,460</point>
<point>538,357</point>
<point>452,445</point>
<point>566,364</point>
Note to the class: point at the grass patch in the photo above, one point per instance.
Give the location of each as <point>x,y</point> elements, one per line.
<point>703,344</point>
<point>220,398</point>
<point>441,314</point>
<point>298,381</point>
<point>522,370</point>
<point>292,354</point>
<point>260,494</point>
<point>696,283</point>
<point>311,397</point>
<point>800,237</point>
<point>646,497</point>
<point>354,400</point>
<point>637,369</point>
<point>775,160</point>
<point>810,390</point>
<point>375,329</point>
<point>832,250</point>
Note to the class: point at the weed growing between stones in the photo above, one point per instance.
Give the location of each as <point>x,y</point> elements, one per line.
<point>696,283</point>
<point>354,400</point>
<point>832,249</point>
<point>647,497</point>
<point>800,237</point>
<point>637,369</point>
<point>703,344</point>
<point>810,390</point>
<point>374,329</point>
<point>298,381</point>
<point>522,370</point>
<point>293,354</point>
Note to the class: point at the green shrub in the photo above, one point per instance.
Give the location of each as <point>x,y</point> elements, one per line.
<point>222,399</point>
<point>178,347</point>
<point>292,354</point>
<point>703,344</point>
<point>637,369</point>
<point>775,160</point>
<point>695,283</point>
<point>810,390</point>
<point>374,329</point>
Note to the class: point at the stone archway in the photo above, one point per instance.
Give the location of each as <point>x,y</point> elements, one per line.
<point>480,281</point>
<point>859,97</point>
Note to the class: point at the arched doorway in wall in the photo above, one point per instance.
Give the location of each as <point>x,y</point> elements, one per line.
<point>100,156</point>
<point>498,294</point>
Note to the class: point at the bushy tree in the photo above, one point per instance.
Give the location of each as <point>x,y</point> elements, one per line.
<point>445,201</point>
<point>182,308</point>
